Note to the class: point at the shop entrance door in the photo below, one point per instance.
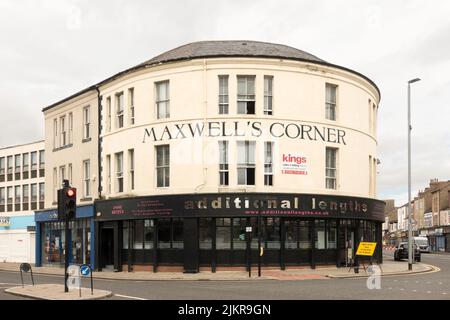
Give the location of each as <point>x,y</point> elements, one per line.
<point>107,246</point>
<point>347,242</point>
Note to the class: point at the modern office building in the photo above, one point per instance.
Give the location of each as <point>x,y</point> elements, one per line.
<point>197,158</point>
<point>22,183</point>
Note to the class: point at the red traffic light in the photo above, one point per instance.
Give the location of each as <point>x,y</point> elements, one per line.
<point>71,192</point>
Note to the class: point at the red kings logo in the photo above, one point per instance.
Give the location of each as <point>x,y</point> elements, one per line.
<point>290,158</point>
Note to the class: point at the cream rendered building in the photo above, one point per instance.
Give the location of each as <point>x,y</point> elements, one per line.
<point>207,139</point>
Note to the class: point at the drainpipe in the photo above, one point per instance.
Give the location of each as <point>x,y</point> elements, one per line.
<point>205,119</point>
<point>99,143</point>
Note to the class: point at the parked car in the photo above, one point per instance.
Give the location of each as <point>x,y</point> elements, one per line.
<point>401,252</point>
<point>423,244</point>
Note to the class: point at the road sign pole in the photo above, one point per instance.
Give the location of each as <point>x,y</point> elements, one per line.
<point>66,256</point>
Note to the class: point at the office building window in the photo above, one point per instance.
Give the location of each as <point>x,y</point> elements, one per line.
<point>330,101</point>
<point>331,168</point>
<point>246,94</point>
<point>86,123</point>
<point>108,116</point>
<point>86,178</point>
<point>131,104</point>
<point>17,198</point>
<point>34,161</point>
<point>268,163</point>
<point>162,100</point>
<point>2,197</point>
<point>17,162</point>
<point>2,165</point>
<point>25,162</point>
<point>34,196</point>
<point>25,196</point>
<point>162,166</point>
<point>268,95</point>
<point>223,163</point>
<point>41,159</point>
<point>131,166</point>
<point>246,162</point>
<point>223,95</point>
<point>119,172</point>
<point>63,134</point>
<point>10,165</point>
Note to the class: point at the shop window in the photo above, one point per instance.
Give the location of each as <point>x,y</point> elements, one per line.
<point>291,234</point>
<point>205,233</point>
<point>331,235</point>
<point>320,235</point>
<point>149,230</point>
<point>138,238</point>
<point>246,94</point>
<point>272,233</point>
<point>239,225</point>
<point>177,233</point>
<point>223,233</point>
<point>164,233</point>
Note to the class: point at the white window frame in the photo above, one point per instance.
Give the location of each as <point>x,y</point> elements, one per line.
<point>119,173</point>
<point>63,133</point>
<point>331,172</point>
<point>87,178</point>
<point>246,96</point>
<point>249,162</point>
<point>331,106</point>
<point>162,101</point>
<point>224,99</point>
<point>164,167</point>
<point>131,105</point>
<point>268,163</point>
<point>86,122</point>
<point>268,95</point>
<point>109,114</point>
<point>224,168</point>
<point>109,169</point>
<point>131,163</point>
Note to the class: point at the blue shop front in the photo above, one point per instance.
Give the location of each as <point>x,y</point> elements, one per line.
<point>51,238</point>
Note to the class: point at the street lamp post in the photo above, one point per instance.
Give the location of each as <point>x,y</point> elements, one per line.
<point>410,242</point>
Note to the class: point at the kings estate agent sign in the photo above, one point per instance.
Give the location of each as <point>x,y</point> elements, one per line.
<point>231,204</point>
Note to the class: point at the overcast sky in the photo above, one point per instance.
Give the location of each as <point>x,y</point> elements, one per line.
<point>52,49</point>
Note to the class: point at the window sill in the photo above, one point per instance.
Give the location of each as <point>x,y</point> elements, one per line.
<point>85,199</point>
<point>54,203</point>
<point>62,148</point>
<point>86,140</point>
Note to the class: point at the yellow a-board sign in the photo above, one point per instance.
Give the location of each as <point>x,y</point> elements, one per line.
<point>366,249</point>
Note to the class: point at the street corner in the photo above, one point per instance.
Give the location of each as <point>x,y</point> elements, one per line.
<point>56,292</point>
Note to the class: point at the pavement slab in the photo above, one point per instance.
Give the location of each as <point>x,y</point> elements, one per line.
<point>56,292</point>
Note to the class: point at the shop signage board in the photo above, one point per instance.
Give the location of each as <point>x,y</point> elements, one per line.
<point>366,249</point>
<point>294,164</point>
<point>5,222</point>
<point>241,205</point>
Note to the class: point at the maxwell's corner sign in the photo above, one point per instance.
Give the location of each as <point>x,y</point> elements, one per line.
<point>294,164</point>
<point>239,205</point>
<point>290,130</point>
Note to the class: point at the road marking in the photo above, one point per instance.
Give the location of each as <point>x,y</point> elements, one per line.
<point>444,292</point>
<point>402,289</point>
<point>129,297</point>
<point>414,290</point>
<point>440,282</point>
<point>390,288</point>
<point>428,291</point>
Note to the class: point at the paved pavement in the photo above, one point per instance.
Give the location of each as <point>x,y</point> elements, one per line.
<point>51,291</point>
<point>431,285</point>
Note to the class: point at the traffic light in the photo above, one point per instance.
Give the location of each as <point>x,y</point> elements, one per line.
<point>67,202</point>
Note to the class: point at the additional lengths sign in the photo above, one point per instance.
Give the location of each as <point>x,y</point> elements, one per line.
<point>239,205</point>
<point>294,164</point>
<point>366,249</point>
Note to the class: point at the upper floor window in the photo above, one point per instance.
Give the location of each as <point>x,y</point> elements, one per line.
<point>162,166</point>
<point>119,172</point>
<point>131,166</point>
<point>246,162</point>
<point>70,127</point>
<point>86,123</point>
<point>34,162</point>
<point>2,196</point>
<point>108,116</point>
<point>63,136</point>
<point>131,104</point>
<point>86,178</point>
<point>330,101</point>
<point>223,163</point>
<point>119,110</point>
<point>268,163</point>
<point>41,159</point>
<point>2,165</point>
<point>246,94</point>
<point>55,133</point>
<point>162,99</point>
<point>62,173</point>
<point>26,162</point>
<point>10,164</point>
<point>108,168</point>
<point>268,95</point>
<point>17,160</point>
<point>331,168</point>
<point>223,95</point>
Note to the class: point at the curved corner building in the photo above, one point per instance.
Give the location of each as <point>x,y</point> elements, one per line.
<point>215,152</point>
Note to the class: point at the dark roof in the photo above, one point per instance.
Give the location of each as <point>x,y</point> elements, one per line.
<point>232,48</point>
<point>226,48</point>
